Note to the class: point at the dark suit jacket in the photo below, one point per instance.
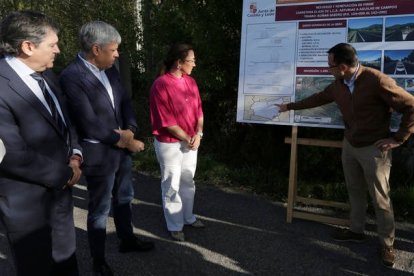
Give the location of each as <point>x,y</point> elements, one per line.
<point>37,156</point>
<point>95,118</point>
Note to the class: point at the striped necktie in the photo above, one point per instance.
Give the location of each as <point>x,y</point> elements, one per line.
<point>49,100</point>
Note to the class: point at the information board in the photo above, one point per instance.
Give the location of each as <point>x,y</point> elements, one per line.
<point>283,53</point>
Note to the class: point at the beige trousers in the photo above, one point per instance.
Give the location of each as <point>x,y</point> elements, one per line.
<point>368,169</point>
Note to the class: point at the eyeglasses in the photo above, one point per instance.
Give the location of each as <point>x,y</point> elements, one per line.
<point>190,61</point>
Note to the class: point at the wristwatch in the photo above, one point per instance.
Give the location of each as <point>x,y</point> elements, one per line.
<point>200,133</point>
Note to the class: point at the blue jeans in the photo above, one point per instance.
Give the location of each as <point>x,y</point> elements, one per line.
<point>115,188</point>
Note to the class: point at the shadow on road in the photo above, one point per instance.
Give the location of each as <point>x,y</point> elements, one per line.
<point>245,235</point>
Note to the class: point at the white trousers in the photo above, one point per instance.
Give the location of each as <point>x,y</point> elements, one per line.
<point>178,165</point>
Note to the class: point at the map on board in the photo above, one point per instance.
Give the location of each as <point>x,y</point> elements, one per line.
<point>283,53</point>
<point>327,114</point>
<point>264,108</point>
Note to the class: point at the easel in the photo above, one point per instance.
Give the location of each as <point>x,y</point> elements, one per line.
<point>292,193</point>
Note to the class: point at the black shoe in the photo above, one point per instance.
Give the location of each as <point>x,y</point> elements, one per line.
<point>177,236</point>
<point>101,268</point>
<point>348,235</point>
<point>197,224</point>
<point>68,267</point>
<point>135,245</point>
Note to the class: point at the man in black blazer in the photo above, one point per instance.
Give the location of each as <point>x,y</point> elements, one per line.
<point>106,123</point>
<point>43,157</point>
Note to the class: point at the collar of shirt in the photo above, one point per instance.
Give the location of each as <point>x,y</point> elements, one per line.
<point>89,65</point>
<point>351,83</point>
<point>19,67</point>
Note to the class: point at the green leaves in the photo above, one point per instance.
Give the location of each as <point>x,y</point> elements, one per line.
<point>72,14</point>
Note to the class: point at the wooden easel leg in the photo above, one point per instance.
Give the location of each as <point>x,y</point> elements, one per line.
<point>292,174</point>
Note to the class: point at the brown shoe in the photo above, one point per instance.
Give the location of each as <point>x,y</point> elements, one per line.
<point>348,235</point>
<point>388,256</point>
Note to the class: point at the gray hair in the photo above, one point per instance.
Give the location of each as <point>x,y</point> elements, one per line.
<point>97,33</point>
<point>21,26</point>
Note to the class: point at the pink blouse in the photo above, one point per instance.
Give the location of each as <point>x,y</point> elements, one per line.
<point>174,101</point>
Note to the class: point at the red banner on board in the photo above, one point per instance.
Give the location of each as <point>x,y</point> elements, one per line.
<point>344,10</point>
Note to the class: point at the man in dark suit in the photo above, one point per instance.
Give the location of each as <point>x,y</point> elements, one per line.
<point>106,124</point>
<point>43,157</point>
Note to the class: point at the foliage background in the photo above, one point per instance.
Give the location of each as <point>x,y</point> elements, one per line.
<point>250,156</point>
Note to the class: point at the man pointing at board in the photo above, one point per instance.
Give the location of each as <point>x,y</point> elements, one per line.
<point>365,97</point>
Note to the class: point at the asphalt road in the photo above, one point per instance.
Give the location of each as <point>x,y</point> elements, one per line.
<point>245,235</point>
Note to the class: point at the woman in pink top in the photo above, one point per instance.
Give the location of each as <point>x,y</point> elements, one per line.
<point>177,125</point>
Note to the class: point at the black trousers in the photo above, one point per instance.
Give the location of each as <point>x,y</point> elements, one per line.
<point>32,254</point>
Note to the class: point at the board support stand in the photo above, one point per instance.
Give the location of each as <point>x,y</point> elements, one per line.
<point>293,198</point>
